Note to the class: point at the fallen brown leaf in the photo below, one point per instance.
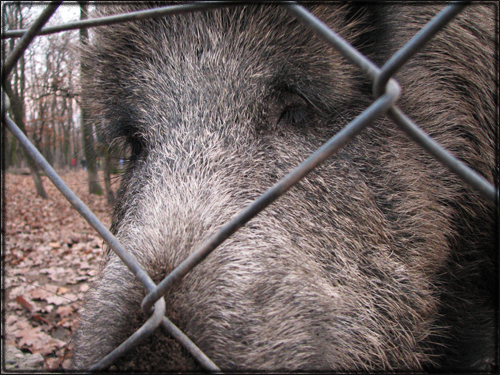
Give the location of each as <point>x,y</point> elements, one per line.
<point>25,303</point>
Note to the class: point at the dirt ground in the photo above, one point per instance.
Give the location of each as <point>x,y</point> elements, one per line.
<point>50,255</point>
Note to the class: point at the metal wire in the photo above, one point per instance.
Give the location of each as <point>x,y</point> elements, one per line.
<point>374,111</point>
<point>414,45</point>
<point>381,77</point>
<point>79,205</point>
<point>132,16</point>
<point>468,175</point>
<point>29,35</point>
<point>385,88</point>
<point>177,334</point>
<point>142,333</point>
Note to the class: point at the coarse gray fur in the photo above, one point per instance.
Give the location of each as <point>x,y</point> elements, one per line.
<point>381,259</point>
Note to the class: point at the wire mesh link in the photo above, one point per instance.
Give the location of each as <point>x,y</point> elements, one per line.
<point>414,45</point>
<point>384,86</point>
<point>79,205</point>
<point>142,333</point>
<point>380,77</point>
<point>374,111</point>
<point>150,325</point>
<point>158,316</point>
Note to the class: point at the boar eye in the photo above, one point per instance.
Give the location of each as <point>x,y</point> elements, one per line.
<point>294,109</point>
<point>136,144</point>
<point>293,115</point>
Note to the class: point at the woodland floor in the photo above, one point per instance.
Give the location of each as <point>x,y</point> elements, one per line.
<point>50,255</point>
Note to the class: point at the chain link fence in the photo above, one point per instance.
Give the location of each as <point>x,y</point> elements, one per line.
<point>385,90</point>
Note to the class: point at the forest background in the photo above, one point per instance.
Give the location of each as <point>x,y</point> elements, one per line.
<point>50,254</point>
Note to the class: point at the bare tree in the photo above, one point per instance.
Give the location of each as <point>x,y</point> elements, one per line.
<point>86,125</point>
<point>15,88</point>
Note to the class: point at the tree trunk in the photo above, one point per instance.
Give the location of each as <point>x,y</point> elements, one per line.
<point>66,130</point>
<point>16,108</point>
<point>87,131</point>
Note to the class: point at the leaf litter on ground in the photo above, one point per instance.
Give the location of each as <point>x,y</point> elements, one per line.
<point>50,257</point>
